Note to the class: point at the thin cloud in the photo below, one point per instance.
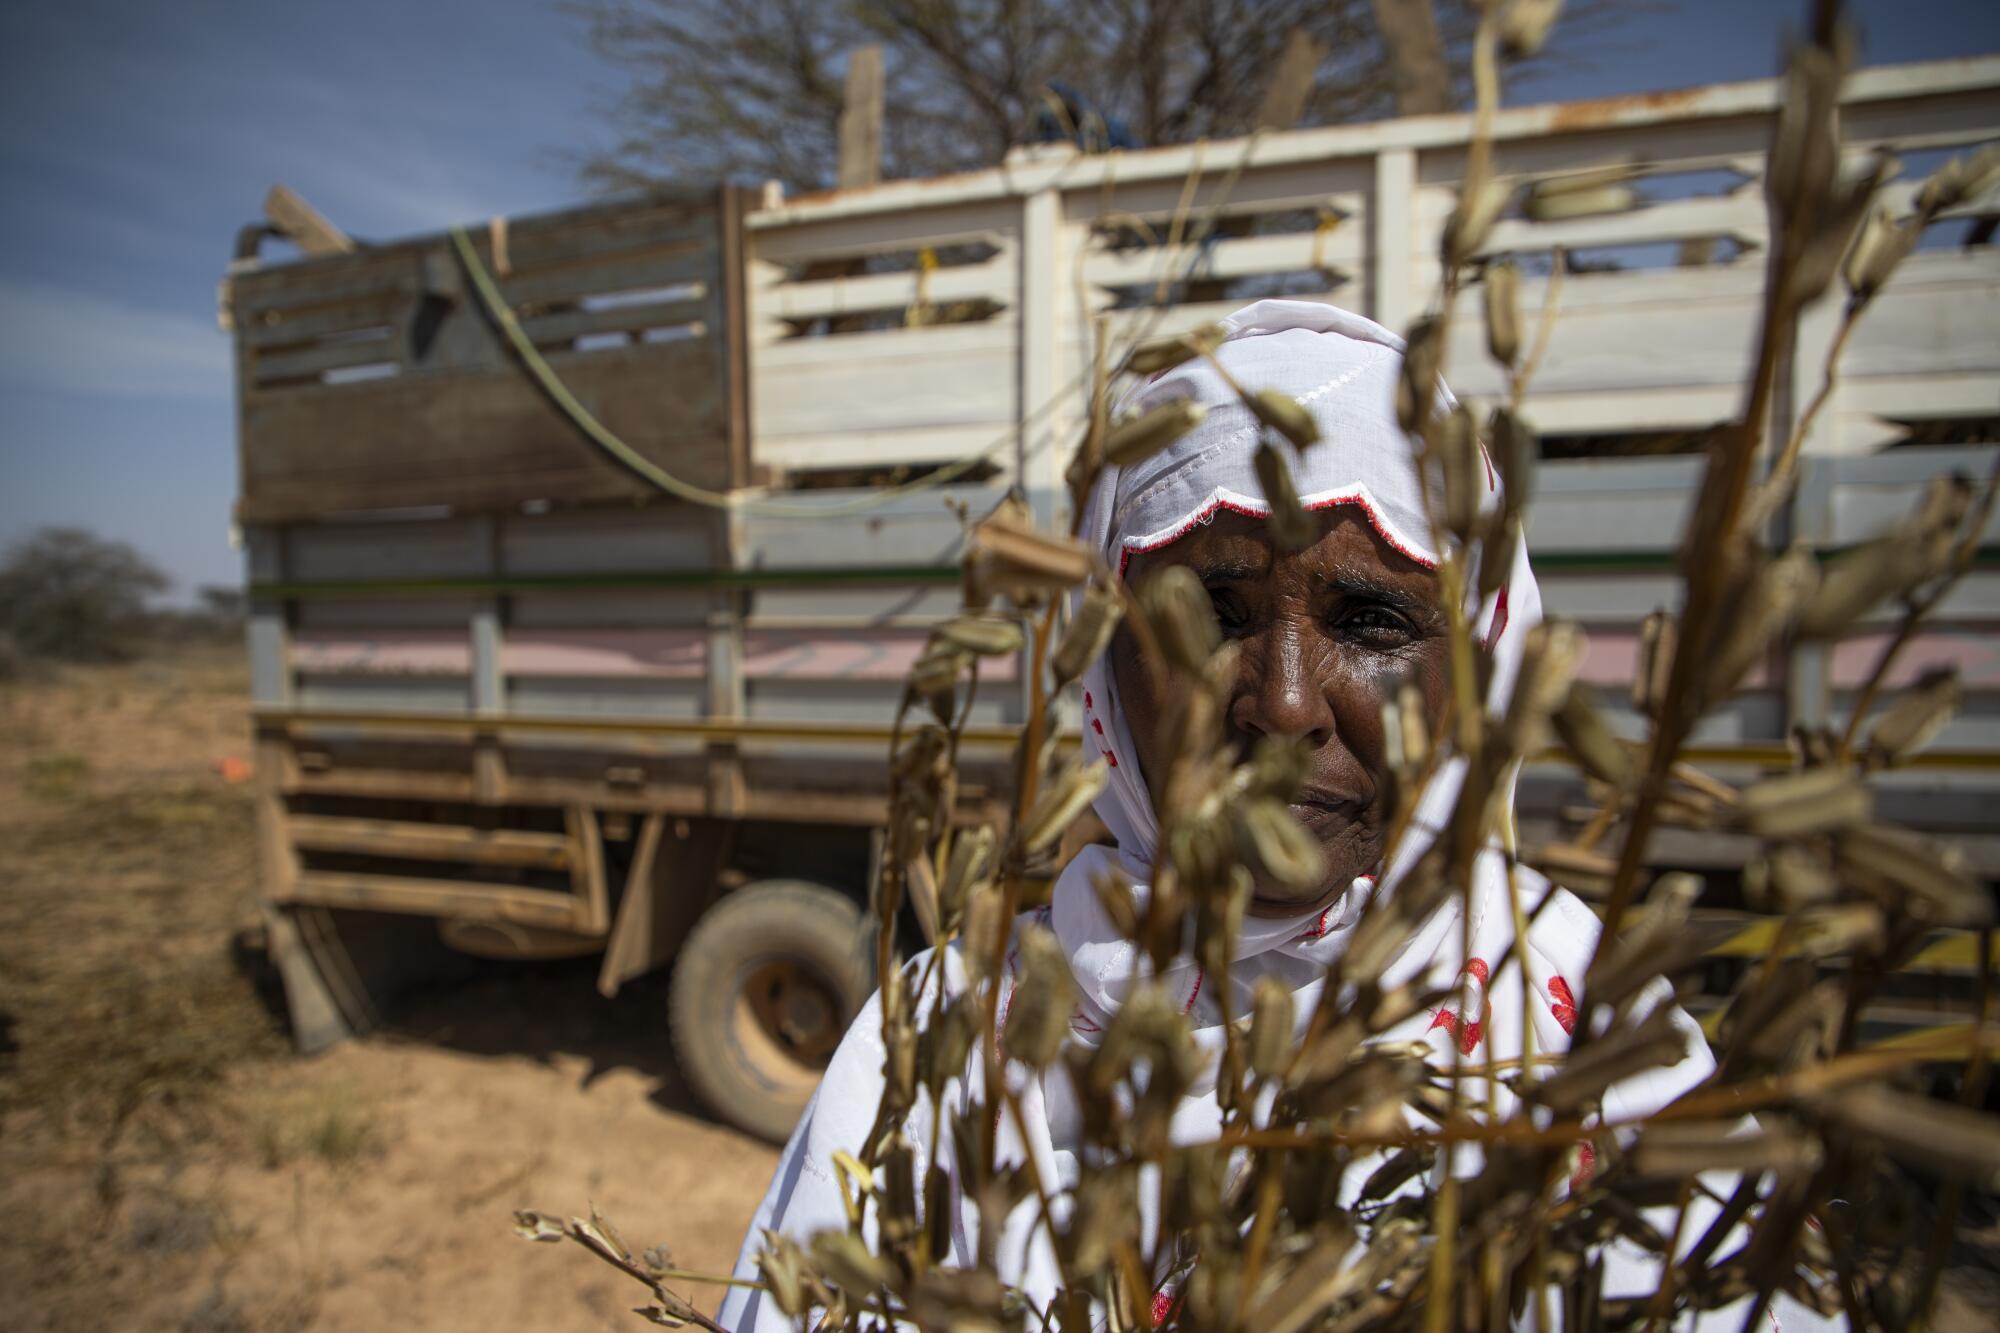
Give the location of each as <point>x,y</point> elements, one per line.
<point>56,338</point>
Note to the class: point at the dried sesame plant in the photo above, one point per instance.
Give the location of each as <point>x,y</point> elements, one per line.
<point>1320,1204</point>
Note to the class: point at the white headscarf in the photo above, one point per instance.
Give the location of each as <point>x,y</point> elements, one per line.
<point>1344,370</point>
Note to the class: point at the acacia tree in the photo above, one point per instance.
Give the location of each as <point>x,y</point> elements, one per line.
<point>724,89</point>
<point>68,593</point>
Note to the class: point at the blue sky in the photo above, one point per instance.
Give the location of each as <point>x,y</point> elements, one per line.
<point>135,139</point>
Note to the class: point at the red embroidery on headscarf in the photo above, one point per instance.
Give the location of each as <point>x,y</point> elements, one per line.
<point>1562,1003</point>
<point>1097,726</point>
<point>1499,619</point>
<point>1208,511</point>
<point>1467,1034</point>
<point>1199,973</point>
<point>1317,928</point>
<point>1110,759</point>
<point>1163,1305</point>
<point>1586,1166</point>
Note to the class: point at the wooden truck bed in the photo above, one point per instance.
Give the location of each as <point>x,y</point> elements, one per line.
<point>500,677</point>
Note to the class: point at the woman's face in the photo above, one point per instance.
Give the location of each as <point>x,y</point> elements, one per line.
<point>1327,635</point>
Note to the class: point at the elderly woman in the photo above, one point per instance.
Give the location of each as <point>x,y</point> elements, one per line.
<point>1327,635</point>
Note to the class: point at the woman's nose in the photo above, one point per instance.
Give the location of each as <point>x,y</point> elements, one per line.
<point>1279,693</point>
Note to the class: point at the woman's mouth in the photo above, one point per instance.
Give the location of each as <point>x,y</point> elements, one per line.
<point>1326,814</point>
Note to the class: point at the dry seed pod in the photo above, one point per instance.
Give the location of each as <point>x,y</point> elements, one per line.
<point>1789,877</point>
<point>938,1213</point>
<point>1060,804</point>
<point>1006,557</point>
<point>1951,1141</point>
<point>1137,438</point>
<point>1797,804</point>
<point>845,1259</point>
<point>1805,152</point>
<point>945,1044</point>
<point>1471,221</point>
<point>1415,729</point>
<point>1854,583</point>
<point>1182,616</point>
<point>1881,245</point>
<point>1685,1148</point>
<point>1277,768</point>
<point>1516,449</point>
<point>1525,24</point>
<point>1937,882</point>
<point>1416,389</point>
<point>1464,486</point>
<point>1090,631</point>
<point>1827,932</point>
<point>1916,717</point>
<point>1285,415</point>
<point>1659,635</point>
<point>1270,1027</point>
<point>1497,552</point>
<point>1293,528</point>
<point>1655,1042</point>
<point>1166,353</point>
<point>1584,734</point>
<point>1544,205</point>
<point>985,636</point>
<point>1770,600</point>
<point>981,933</point>
<point>1043,997</point>
<point>1582,871</point>
<point>1549,663</point>
<point>1276,845</point>
<point>971,854</point>
<point>783,1268</point>
<point>1114,895</point>
<point>1959,180</point>
<point>1502,293</point>
<point>934,679</point>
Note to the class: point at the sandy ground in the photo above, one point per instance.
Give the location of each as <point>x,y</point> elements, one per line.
<point>167,1163</point>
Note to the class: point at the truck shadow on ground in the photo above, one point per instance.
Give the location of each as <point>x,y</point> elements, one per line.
<point>543,1011</point>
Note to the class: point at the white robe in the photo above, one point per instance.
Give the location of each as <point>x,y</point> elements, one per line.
<point>804,1198</point>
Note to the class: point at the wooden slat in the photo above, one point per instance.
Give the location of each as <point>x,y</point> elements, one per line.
<point>614,319</point>
<point>304,224</point>
<point>311,362</point>
<point>537,243</point>
<point>431,842</point>
<point>483,437</point>
<point>284,329</point>
<point>666,268</point>
<point>328,282</point>
<point>436,897</point>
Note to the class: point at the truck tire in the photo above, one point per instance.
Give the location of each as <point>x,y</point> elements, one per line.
<point>763,990</point>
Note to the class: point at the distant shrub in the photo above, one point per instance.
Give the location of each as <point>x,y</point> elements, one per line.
<point>70,594</point>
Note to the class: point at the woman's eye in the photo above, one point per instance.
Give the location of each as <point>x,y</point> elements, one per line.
<point>1229,613</point>
<point>1376,625</point>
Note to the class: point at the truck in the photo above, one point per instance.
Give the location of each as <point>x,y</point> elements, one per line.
<point>586,553</point>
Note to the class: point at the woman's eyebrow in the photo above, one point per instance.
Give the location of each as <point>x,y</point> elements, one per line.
<point>1348,581</point>
<point>1229,569</point>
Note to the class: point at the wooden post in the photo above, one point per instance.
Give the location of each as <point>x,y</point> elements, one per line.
<point>1392,216</point>
<point>861,120</point>
<point>489,763</point>
<point>1285,100</point>
<point>303,225</point>
<point>1416,59</point>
